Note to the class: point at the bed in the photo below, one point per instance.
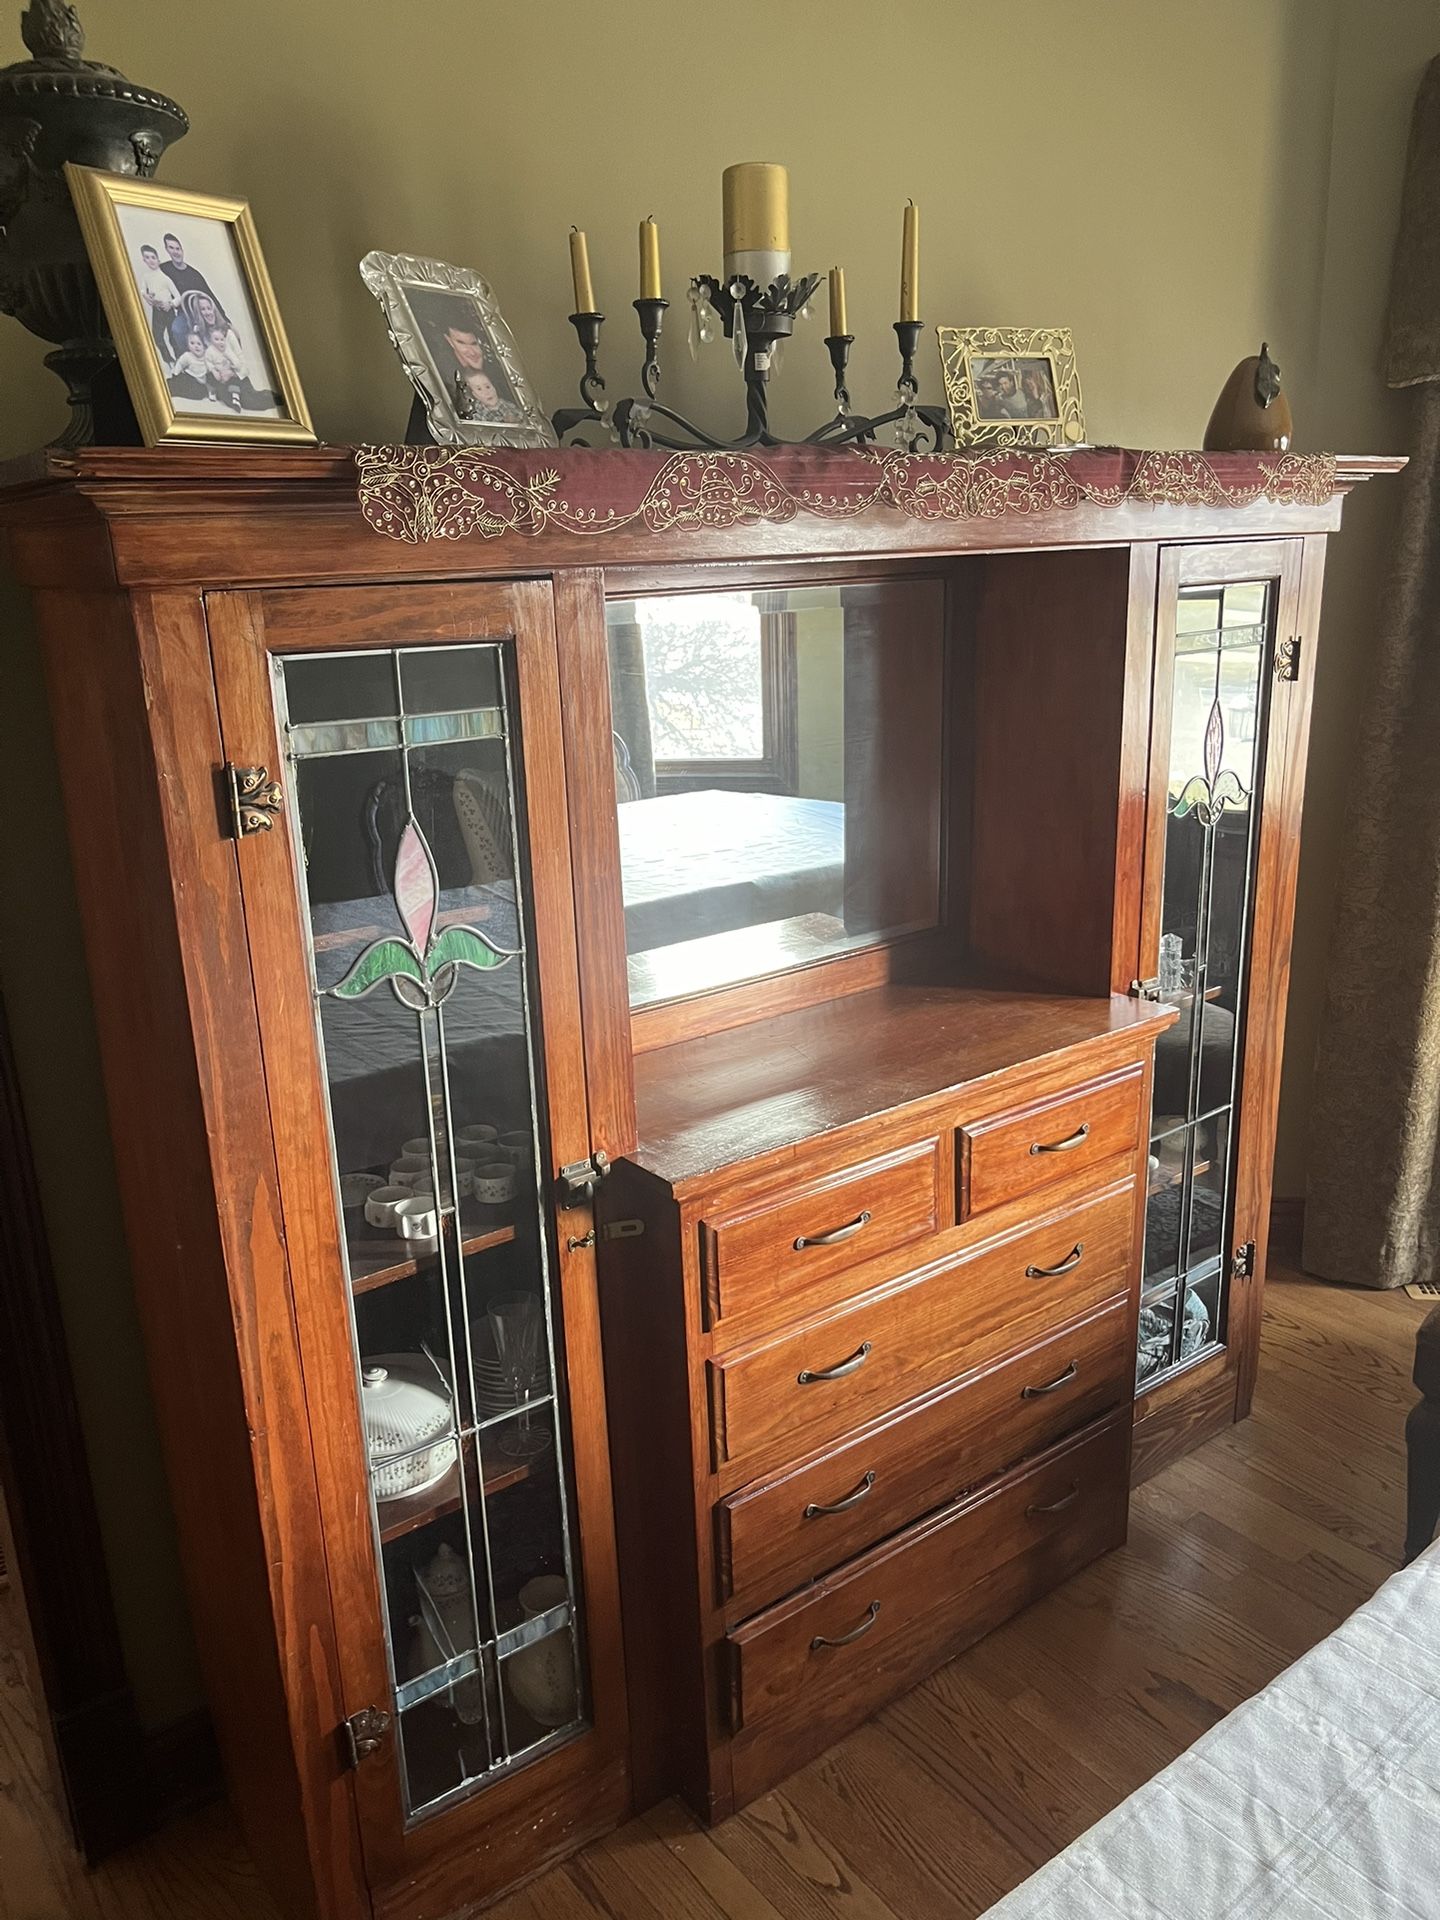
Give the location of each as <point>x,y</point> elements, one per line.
<point>1317,1800</point>
<point>708,862</point>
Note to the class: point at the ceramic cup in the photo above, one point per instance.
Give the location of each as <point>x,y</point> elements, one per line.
<point>495,1182</point>
<point>419,1145</point>
<point>480,1134</point>
<point>356,1188</point>
<point>517,1147</point>
<point>410,1170</point>
<point>380,1206</point>
<point>465,1172</point>
<point>417,1222</point>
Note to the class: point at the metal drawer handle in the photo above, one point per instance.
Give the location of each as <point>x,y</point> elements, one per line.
<point>1056,1506</point>
<point>835,1235</point>
<point>856,1360</point>
<point>1036,1393</point>
<point>1067,1265</point>
<point>815,1510</point>
<point>1082,1132</point>
<point>848,1639</point>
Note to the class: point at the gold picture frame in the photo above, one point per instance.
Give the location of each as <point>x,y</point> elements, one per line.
<point>1012,386</point>
<point>202,347</point>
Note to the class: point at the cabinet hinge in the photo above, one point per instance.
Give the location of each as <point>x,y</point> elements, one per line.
<point>1287,659</point>
<point>622,1230</point>
<point>1145,989</point>
<point>1242,1261</point>
<point>579,1180</point>
<point>363,1733</point>
<point>254,797</point>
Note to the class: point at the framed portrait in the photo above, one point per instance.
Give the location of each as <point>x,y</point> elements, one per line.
<point>192,312</point>
<point>459,353</point>
<point>1012,386</point>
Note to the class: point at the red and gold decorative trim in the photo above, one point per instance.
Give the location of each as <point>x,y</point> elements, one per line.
<point>419,494</point>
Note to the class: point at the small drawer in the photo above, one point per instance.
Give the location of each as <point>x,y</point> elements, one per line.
<point>788,1249</point>
<point>775,1535</point>
<point>789,1394</point>
<point>814,1666</point>
<point>1021,1151</point>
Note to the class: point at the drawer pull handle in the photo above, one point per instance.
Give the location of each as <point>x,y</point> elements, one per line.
<point>1067,1265</point>
<point>1037,1393</point>
<point>848,1639</point>
<point>815,1510</point>
<point>835,1235</point>
<point>1055,1506</point>
<point>852,1365</point>
<point>1082,1132</point>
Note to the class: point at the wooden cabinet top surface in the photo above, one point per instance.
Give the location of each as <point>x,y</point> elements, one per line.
<point>731,1098</point>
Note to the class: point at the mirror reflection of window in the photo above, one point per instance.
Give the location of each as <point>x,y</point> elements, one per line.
<point>778,766</point>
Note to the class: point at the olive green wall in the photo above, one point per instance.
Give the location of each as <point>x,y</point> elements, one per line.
<point>1172,181</point>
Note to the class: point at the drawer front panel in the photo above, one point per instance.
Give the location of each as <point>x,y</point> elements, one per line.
<point>789,1249</point>
<point>810,1668</point>
<point>1025,1150</point>
<point>820,1381</point>
<point>777,1535</point>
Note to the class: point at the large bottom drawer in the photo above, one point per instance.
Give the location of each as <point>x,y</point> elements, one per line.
<point>811,1668</point>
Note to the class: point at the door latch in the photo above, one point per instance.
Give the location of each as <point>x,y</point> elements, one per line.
<point>1242,1261</point>
<point>254,797</point>
<point>1287,659</point>
<point>579,1180</point>
<point>1145,989</point>
<point>364,1733</point>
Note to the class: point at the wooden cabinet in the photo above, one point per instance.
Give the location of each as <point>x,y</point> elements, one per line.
<point>739,1325</point>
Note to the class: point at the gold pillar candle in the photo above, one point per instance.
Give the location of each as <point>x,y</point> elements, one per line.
<point>580,273</point>
<point>649,260</point>
<point>910,264</point>
<point>838,328</point>
<point>756,220</point>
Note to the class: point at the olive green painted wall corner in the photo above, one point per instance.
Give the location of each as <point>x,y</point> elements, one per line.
<point>1175,183</point>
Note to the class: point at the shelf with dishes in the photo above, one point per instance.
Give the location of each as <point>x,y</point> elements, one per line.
<point>405,1512</point>
<point>372,1257</point>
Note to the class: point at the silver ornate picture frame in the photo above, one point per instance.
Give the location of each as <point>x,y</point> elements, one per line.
<point>1012,386</point>
<point>458,352</point>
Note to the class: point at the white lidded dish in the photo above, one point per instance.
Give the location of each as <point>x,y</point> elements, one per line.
<point>403,1403</point>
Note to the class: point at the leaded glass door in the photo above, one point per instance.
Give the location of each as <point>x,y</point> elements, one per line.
<point>411,925</point>
<point>1217,756</point>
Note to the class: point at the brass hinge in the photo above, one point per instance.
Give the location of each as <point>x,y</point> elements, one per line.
<point>1145,989</point>
<point>1287,659</point>
<point>1242,1261</point>
<point>255,799</point>
<point>364,1733</point>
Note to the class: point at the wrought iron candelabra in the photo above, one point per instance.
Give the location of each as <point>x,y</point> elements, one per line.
<point>756,320</point>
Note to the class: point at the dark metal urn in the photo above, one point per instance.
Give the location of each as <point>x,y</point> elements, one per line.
<point>54,107</point>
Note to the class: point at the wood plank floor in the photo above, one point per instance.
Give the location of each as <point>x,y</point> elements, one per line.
<point>1240,1558</point>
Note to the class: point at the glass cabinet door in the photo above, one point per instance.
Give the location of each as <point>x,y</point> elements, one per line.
<point>1211,763</point>
<point>433,926</point>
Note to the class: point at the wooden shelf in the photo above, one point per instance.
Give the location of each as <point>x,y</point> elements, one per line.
<point>373,1262</point>
<point>412,1510</point>
<point>1163,1177</point>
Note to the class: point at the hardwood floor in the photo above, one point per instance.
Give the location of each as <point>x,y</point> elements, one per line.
<point>1240,1558</point>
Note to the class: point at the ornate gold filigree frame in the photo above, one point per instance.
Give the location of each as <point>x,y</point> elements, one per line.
<point>96,196</point>
<point>961,346</point>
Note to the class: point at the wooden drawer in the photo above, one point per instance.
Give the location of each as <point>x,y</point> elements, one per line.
<point>786,1530</point>
<point>817,1664</point>
<point>1026,1149</point>
<point>787,1249</point>
<point>815,1383</point>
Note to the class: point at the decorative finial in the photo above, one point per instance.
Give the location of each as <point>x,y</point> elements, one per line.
<point>1267,376</point>
<point>51,30</point>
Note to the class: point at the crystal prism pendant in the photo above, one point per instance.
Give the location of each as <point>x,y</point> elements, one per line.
<point>693,336</point>
<point>741,337</point>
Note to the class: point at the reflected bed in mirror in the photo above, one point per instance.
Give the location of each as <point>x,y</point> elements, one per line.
<point>778,766</point>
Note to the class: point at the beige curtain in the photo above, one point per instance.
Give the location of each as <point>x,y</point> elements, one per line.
<point>1372,1214</point>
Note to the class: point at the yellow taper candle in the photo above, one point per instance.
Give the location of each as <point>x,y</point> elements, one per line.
<point>580,273</point>
<point>649,260</point>
<point>837,303</point>
<point>910,264</point>
<point>756,207</point>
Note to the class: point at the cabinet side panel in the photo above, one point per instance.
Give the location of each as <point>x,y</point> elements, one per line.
<point>138,745</point>
<point>1050,701</point>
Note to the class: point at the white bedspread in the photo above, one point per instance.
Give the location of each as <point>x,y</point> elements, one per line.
<point>1317,1800</point>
